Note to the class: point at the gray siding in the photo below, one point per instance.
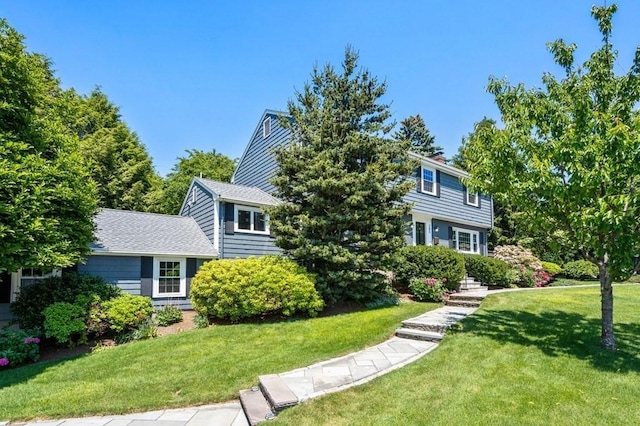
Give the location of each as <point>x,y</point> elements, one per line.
<point>445,237</point>
<point>112,268</point>
<point>258,163</point>
<point>5,314</point>
<point>450,204</point>
<point>243,244</point>
<point>202,211</point>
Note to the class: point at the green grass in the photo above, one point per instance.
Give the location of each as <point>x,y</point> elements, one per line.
<point>568,282</point>
<point>525,358</point>
<point>200,366</point>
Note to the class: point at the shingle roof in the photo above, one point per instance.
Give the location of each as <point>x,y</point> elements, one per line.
<point>119,231</point>
<point>241,193</point>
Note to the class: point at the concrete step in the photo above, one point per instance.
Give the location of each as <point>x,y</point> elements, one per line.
<point>473,287</point>
<point>411,333</point>
<point>255,406</point>
<point>463,303</point>
<point>277,392</point>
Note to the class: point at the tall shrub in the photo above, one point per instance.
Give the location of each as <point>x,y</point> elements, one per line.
<point>429,262</point>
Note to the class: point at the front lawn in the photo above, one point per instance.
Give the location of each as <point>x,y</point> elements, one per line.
<point>196,367</point>
<point>525,358</point>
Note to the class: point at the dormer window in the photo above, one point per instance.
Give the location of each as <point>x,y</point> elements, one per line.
<point>266,127</point>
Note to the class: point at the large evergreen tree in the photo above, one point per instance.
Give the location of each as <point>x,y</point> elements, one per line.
<point>569,155</point>
<point>47,201</point>
<point>414,129</point>
<point>341,182</point>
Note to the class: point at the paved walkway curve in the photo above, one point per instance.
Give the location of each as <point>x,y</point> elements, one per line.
<point>309,382</point>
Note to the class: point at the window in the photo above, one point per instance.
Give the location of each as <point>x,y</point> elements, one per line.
<point>466,241</point>
<point>169,277</point>
<point>472,198</point>
<point>251,219</point>
<point>266,127</point>
<point>35,273</point>
<point>429,181</point>
<point>194,195</point>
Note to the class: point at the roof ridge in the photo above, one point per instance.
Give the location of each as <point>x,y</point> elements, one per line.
<point>143,213</point>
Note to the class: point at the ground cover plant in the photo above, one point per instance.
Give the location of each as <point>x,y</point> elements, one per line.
<point>525,358</point>
<point>195,367</point>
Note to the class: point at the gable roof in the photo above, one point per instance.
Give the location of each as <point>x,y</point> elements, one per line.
<point>238,193</point>
<point>129,232</point>
<point>258,130</point>
<point>454,171</point>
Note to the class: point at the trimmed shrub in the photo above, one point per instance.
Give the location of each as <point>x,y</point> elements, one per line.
<point>551,268</point>
<point>17,347</point>
<point>580,270</point>
<point>428,289</point>
<point>33,299</point>
<point>168,315</point>
<point>127,311</point>
<point>429,261</point>
<point>516,256</point>
<point>243,288</point>
<point>65,322</point>
<point>487,270</point>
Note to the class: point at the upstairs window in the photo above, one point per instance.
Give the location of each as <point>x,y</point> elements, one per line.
<point>429,181</point>
<point>251,219</point>
<point>266,127</point>
<point>472,198</point>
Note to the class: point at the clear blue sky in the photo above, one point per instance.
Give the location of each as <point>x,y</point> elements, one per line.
<point>199,74</point>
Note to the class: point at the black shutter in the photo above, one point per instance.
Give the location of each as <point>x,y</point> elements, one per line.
<point>191,267</point>
<point>479,200</point>
<point>437,183</point>
<point>419,179</point>
<point>229,213</point>
<point>465,197</point>
<point>146,270</point>
<point>451,241</point>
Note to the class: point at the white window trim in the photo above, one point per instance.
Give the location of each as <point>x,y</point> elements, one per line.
<point>428,231</point>
<point>435,181</point>
<point>471,234</point>
<point>266,127</point>
<point>156,276</point>
<point>252,210</point>
<point>477,198</point>
<point>194,195</point>
<point>51,273</point>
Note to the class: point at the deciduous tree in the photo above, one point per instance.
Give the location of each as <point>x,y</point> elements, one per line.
<point>568,155</point>
<point>342,182</point>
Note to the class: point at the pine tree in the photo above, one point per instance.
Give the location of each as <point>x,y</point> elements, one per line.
<point>342,183</point>
<point>415,130</point>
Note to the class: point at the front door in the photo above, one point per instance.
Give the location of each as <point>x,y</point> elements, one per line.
<point>5,287</point>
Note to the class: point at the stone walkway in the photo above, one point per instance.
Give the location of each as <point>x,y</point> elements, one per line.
<point>309,382</point>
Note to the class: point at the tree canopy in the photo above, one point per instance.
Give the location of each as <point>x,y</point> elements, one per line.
<point>414,129</point>
<point>342,182</point>
<point>568,156</point>
<point>47,200</point>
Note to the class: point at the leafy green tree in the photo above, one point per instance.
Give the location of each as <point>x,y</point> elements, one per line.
<point>414,129</point>
<point>209,165</point>
<point>341,182</point>
<point>47,201</point>
<point>569,154</point>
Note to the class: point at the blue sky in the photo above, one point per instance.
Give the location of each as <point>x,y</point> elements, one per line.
<point>199,74</point>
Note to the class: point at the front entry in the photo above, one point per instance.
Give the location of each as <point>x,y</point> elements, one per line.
<point>5,287</point>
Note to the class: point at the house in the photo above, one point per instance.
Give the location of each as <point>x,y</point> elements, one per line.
<point>444,212</point>
<point>148,254</point>
<point>232,217</point>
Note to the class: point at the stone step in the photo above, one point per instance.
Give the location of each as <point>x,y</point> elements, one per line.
<point>277,392</point>
<point>473,287</point>
<point>435,326</point>
<point>255,406</point>
<point>411,333</point>
<point>463,303</point>
<point>467,296</point>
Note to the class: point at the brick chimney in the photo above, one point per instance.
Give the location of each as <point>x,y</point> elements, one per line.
<point>439,158</point>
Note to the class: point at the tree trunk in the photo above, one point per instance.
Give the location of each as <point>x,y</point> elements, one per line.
<point>608,339</point>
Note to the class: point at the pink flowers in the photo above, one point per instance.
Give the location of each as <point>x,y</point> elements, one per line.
<point>29,340</point>
<point>3,362</point>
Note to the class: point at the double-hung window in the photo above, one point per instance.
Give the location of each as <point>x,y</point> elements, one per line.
<point>251,219</point>
<point>472,198</point>
<point>169,277</point>
<point>266,127</point>
<point>429,184</point>
<point>466,241</point>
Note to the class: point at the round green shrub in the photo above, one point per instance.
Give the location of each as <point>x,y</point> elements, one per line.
<point>65,322</point>
<point>17,347</point>
<point>168,315</point>
<point>580,270</point>
<point>552,268</point>
<point>33,299</point>
<point>487,270</point>
<point>243,288</point>
<point>127,311</point>
<point>429,261</point>
<point>428,289</point>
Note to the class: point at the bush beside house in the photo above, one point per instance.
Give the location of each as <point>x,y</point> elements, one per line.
<point>429,262</point>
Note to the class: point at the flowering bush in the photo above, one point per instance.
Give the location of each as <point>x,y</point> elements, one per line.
<point>17,347</point>
<point>429,289</point>
<point>517,256</point>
